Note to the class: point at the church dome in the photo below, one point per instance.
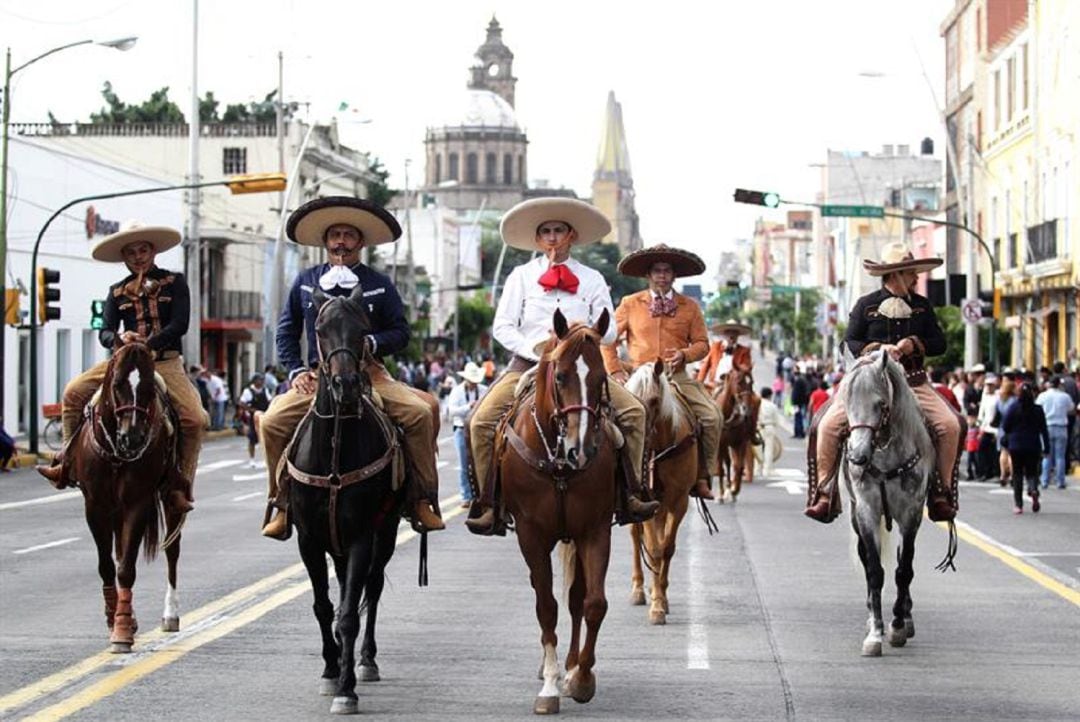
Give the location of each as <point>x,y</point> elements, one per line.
<point>482,107</point>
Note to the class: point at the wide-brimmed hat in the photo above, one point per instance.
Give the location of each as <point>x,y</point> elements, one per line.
<point>472,373</point>
<point>109,248</point>
<point>896,256</point>
<point>308,223</point>
<point>978,369</point>
<point>519,225</point>
<point>684,263</point>
<point>730,325</point>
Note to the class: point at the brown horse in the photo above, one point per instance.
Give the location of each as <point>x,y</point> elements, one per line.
<point>673,467</point>
<point>558,482</point>
<point>124,458</point>
<point>738,424</point>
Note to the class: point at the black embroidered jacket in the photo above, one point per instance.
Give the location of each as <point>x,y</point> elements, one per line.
<point>868,328</point>
<point>158,311</point>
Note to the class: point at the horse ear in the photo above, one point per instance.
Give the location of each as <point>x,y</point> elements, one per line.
<point>357,293</point>
<point>884,360</point>
<point>559,323</point>
<point>318,297</point>
<point>658,367</point>
<point>603,322</point>
<point>849,359</point>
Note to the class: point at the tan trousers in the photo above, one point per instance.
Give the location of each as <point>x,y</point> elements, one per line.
<point>706,411</point>
<point>278,424</point>
<point>942,420</point>
<point>182,394</point>
<point>629,416</point>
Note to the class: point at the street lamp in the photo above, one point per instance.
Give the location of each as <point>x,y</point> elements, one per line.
<point>118,44</point>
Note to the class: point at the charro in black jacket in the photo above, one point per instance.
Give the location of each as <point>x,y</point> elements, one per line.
<point>158,310</point>
<point>868,328</point>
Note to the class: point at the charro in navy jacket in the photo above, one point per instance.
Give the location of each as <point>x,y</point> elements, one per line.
<point>390,329</point>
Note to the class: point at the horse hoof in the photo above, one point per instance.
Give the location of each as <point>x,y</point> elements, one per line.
<point>896,637</point>
<point>909,628</point>
<point>546,705</point>
<point>657,618</point>
<point>581,692</point>
<point>871,649</point>
<point>637,597</point>
<point>344,705</point>
<point>120,647</point>
<point>369,673</point>
<point>170,624</point>
<point>327,687</point>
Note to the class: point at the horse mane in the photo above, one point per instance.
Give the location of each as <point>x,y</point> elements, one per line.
<point>644,384</point>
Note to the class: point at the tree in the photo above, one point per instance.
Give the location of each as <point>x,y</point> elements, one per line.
<point>726,303</point>
<point>952,326</point>
<point>476,315</point>
<point>378,191</point>
<point>781,310</point>
<point>208,108</point>
<point>157,109</point>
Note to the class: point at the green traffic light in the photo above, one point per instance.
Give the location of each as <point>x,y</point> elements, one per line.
<point>772,200</point>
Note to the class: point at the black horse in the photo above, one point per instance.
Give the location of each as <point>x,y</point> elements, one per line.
<point>346,455</point>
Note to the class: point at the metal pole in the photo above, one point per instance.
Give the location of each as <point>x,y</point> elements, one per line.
<point>192,247</point>
<point>971,330</point>
<point>410,272</point>
<point>3,224</point>
<point>269,314</point>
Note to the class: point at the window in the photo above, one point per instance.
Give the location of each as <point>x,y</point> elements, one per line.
<point>491,169</point>
<point>997,100</point>
<point>1010,88</point>
<point>1010,238</point>
<point>438,168</point>
<point>521,169</point>
<point>234,160</point>
<point>508,169</point>
<point>454,167</point>
<point>472,170</point>
<point>1024,77</point>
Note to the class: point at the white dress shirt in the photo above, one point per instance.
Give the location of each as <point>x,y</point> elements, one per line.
<point>523,318</point>
<point>458,401</point>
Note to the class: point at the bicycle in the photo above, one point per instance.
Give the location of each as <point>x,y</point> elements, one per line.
<point>53,433</point>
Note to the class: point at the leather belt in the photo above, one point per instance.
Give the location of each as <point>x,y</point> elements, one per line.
<point>167,355</point>
<point>520,364</point>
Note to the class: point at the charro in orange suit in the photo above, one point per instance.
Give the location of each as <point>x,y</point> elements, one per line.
<point>659,323</point>
<point>725,354</point>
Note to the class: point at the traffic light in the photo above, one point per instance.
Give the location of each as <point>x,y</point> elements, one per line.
<point>257,183</point>
<point>47,294</point>
<point>757,198</point>
<point>97,315</point>
<point>11,307</point>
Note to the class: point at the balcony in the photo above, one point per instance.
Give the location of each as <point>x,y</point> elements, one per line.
<point>227,310</point>
<point>143,130</point>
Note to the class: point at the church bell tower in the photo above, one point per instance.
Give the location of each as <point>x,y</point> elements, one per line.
<point>494,72</point>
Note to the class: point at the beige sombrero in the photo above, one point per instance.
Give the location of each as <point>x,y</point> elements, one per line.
<point>731,325</point>
<point>308,223</point>
<point>896,256</point>
<point>684,263</point>
<point>519,225</point>
<point>109,248</point>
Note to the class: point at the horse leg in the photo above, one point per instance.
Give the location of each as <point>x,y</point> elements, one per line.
<point>738,462</point>
<point>637,577</point>
<point>595,552</point>
<point>537,555</point>
<point>384,550</point>
<point>671,534</point>
<point>902,626</point>
<point>349,623</point>
<point>170,615</point>
<point>870,554</point>
<point>101,529</point>
<point>314,559</point>
<point>655,542</point>
<point>131,535</point>
<point>575,602</point>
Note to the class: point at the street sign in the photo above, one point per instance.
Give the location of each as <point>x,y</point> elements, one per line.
<point>854,211</point>
<point>971,310</point>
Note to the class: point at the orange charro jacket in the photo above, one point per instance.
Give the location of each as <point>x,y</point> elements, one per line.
<point>648,337</point>
<point>742,359</point>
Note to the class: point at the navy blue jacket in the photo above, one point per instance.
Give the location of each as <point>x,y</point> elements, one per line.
<point>1025,429</point>
<point>390,329</point>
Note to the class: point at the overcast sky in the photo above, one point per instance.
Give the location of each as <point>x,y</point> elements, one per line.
<point>715,94</point>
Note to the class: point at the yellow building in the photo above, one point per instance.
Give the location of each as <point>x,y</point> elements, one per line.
<point>613,182</point>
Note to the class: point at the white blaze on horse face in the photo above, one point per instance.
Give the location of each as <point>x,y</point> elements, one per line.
<point>134,378</point>
<point>551,672</point>
<point>583,419</point>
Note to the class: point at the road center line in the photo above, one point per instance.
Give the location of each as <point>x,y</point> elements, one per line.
<point>697,634</point>
<point>49,545</point>
<point>76,494</point>
<point>214,466</point>
<point>252,495</point>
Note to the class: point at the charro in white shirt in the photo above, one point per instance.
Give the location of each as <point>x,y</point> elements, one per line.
<point>523,318</point>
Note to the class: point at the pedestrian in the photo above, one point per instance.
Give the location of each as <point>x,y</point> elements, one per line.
<point>1026,438</point>
<point>270,379</point>
<point>988,458</point>
<point>1058,407</point>
<point>769,416</point>
<point>818,397</point>
<point>1006,397</point>
<point>971,446</point>
<point>800,397</point>
<point>937,378</point>
<point>215,384</point>
<point>254,399</point>
<point>197,374</point>
<point>463,398</point>
<point>973,392</point>
<point>7,449</point>
<point>778,389</point>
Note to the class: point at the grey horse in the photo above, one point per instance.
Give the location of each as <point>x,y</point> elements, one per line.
<point>886,467</point>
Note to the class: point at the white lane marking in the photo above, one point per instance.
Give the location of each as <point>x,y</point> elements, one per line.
<point>1046,569</point>
<point>49,545</point>
<point>795,488</point>
<point>441,464</point>
<point>1001,491</point>
<point>445,440</point>
<point>249,477</point>
<point>1049,554</point>
<point>218,465</point>
<point>42,500</point>
<point>244,497</point>
<point>697,633</point>
<point>789,473</point>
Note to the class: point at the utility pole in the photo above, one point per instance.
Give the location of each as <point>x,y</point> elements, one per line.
<point>193,255</point>
<point>270,314</point>
<point>410,273</point>
<point>971,330</point>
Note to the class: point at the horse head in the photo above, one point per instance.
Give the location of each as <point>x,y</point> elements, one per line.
<point>574,383</point>
<point>128,400</point>
<point>340,327</point>
<point>870,390</point>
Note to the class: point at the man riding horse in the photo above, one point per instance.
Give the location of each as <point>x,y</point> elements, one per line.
<point>903,323</point>
<point>532,294</point>
<point>726,353</point>
<point>152,304</point>
<point>660,323</point>
<point>343,226</point>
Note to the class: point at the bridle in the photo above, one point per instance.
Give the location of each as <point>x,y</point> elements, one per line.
<point>324,365</point>
<point>117,411</point>
<point>556,453</point>
<point>882,422</point>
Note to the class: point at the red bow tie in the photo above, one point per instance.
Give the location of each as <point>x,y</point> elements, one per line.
<point>660,306</point>
<point>559,277</point>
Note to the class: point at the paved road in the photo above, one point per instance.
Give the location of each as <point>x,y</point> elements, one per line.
<point>766,619</point>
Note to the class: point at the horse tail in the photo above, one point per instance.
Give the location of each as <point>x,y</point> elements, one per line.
<point>568,558</point>
<point>152,537</point>
<point>886,555</point>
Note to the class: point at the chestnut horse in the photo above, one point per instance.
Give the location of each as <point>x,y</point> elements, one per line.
<point>738,424</point>
<point>123,457</point>
<point>558,483</point>
<point>672,458</point>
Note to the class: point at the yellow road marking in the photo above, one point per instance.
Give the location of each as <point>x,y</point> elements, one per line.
<point>166,655</point>
<point>967,533</point>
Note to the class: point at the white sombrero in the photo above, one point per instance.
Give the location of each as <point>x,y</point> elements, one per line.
<point>729,326</point>
<point>896,256</point>
<point>308,223</point>
<point>109,248</point>
<point>472,373</point>
<point>519,225</point>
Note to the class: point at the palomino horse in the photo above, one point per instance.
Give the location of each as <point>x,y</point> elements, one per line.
<point>124,456</point>
<point>559,485</point>
<point>673,465</point>
<point>738,424</point>
<point>346,456</point>
<point>888,460</point>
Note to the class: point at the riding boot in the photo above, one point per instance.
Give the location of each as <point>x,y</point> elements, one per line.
<point>56,472</point>
<point>702,489</point>
<point>940,500</point>
<point>824,506</point>
<point>424,515</point>
<point>635,510</point>
<point>278,527</point>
